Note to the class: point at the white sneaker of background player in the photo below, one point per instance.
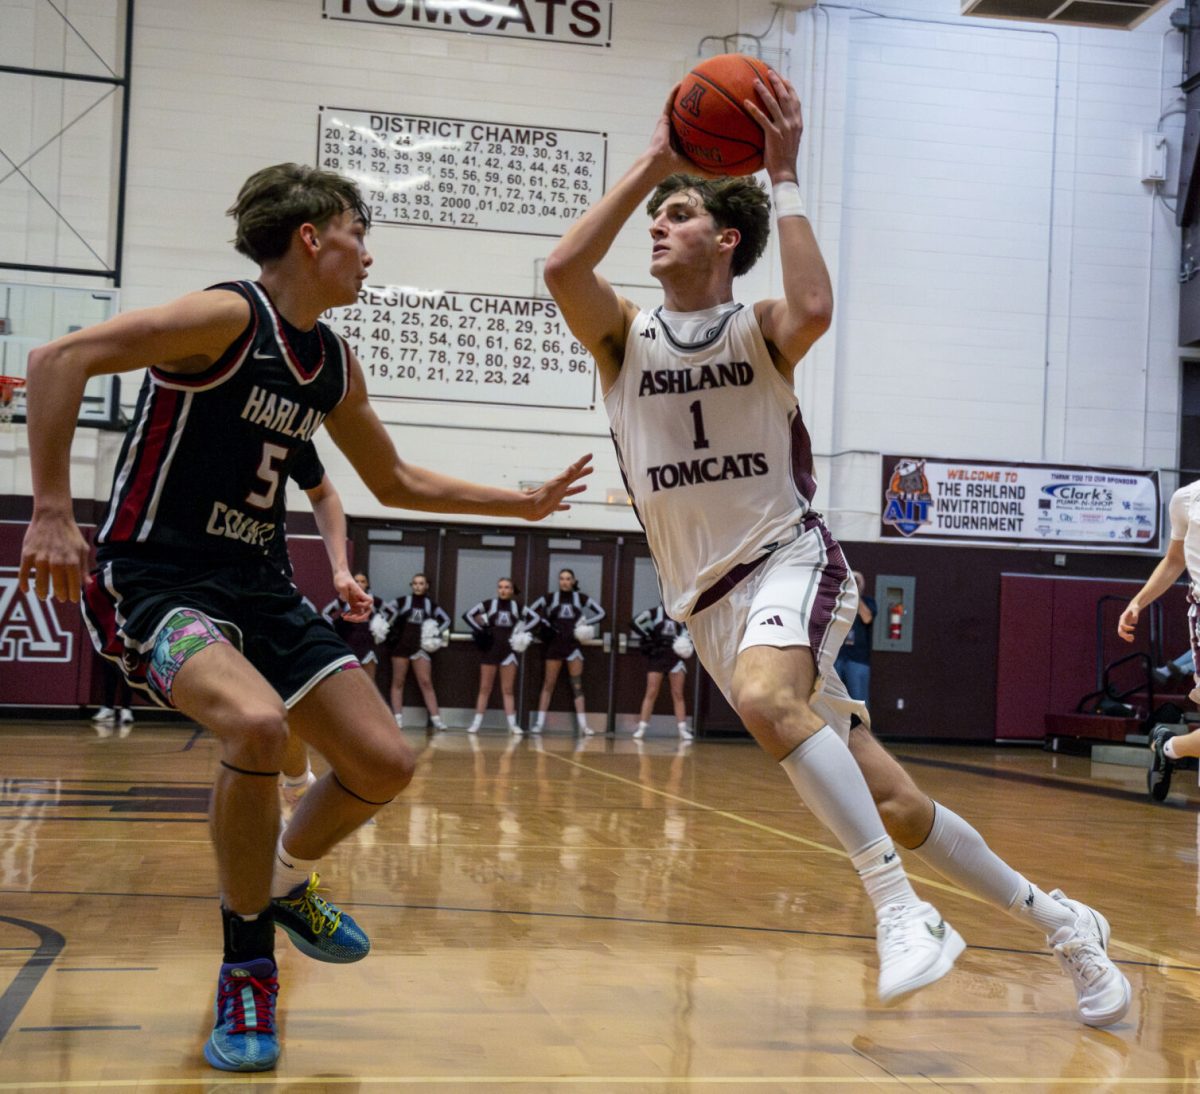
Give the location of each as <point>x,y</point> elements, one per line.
<point>290,795</point>
<point>916,947</point>
<point>1102,993</point>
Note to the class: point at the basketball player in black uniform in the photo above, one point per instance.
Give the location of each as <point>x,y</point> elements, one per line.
<point>417,628</point>
<point>185,596</point>
<point>569,618</point>
<point>742,556</point>
<point>660,636</point>
<point>502,630</point>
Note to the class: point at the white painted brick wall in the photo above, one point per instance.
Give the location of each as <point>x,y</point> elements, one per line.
<point>928,166</point>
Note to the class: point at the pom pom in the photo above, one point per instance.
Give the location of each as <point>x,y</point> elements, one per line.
<point>584,632</point>
<point>520,640</point>
<point>683,646</point>
<point>378,627</point>
<point>431,636</point>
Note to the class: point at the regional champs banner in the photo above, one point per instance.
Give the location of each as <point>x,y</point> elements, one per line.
<point>1003,503</point>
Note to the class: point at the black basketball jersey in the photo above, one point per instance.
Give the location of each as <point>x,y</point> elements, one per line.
<point>307,473</point>
<point>202,468</point>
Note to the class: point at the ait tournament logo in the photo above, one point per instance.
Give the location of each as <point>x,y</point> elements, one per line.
<point>29,629</point>
<point>908,499</point>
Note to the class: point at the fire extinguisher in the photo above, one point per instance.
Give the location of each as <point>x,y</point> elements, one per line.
<point>895,620</point>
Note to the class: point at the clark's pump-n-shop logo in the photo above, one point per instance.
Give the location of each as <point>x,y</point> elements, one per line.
<point>908,501</point>
<point>29,629</point>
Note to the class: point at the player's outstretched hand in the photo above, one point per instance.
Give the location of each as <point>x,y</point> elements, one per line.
<point>1128,622</point>
<point>54,555</point>
<point>352,593</point>
<point>782,124</point>
<point>550,496</point>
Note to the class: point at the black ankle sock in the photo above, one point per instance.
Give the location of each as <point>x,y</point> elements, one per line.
<point>247,939</point>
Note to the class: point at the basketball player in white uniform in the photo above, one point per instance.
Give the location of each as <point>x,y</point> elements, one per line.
<point>1183,553</point>
<point>718,462</point>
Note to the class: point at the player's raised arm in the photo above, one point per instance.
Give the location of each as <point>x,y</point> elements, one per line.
<point>358,432</point>
<point>186,335</point>
<point>597,316</point>
<point>793,324</point>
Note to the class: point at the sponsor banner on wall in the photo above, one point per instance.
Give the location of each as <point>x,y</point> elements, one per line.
<point>574,22</point>
<point>1005,503</point>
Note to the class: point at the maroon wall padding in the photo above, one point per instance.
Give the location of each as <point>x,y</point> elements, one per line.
<point>950,681</point>
<point>46,654</point>
<point>310,567</point>
<point>1046,658</point>
<point>1024,666</point>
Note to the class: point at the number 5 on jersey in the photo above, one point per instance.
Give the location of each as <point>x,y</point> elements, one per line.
<point>269,473</point>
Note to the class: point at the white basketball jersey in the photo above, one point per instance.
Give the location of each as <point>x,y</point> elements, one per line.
<point>712,446</point>
<point>1184,511</point>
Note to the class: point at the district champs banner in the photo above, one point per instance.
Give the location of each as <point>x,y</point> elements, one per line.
<point>1005,503</point>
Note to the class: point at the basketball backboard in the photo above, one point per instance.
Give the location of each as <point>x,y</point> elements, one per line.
<point>32,315</point>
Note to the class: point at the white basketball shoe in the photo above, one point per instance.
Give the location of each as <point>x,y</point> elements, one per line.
<point>1102,993</point>
<point>916,947</point>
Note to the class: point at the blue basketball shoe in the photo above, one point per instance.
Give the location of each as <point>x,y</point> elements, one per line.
<point>317,927</point>
<point>243,1036</point>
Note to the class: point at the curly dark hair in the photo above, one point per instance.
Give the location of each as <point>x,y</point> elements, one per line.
<point>275,201</point>
<point>740,203</point>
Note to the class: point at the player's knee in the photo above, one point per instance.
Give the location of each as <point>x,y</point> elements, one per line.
<point>257,735</point>
<point>393,771</point>
<point>906,815</point>
<point>764,705</point>
<point>383,774</point>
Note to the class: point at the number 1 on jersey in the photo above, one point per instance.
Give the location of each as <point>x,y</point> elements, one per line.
<point>701,440</point>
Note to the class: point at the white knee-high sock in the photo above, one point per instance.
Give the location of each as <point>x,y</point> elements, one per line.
<point>290,871</point>
<point>959,852</point>
<point>830,783</point>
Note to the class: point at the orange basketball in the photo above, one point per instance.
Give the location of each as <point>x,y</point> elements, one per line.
<point>712,127</point>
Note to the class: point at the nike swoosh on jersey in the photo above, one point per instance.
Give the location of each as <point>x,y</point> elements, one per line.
<point>265,356</point>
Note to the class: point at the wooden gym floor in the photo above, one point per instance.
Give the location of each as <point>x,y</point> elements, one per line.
<point>617,918</point>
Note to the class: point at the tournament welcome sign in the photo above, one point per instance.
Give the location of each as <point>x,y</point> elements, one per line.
<point>1004,503</point>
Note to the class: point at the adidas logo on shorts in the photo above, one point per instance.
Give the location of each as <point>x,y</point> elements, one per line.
<point>773,621</point>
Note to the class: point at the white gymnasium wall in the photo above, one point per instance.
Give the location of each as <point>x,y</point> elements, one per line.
<point>1005,282</point>
<point>57,192</point>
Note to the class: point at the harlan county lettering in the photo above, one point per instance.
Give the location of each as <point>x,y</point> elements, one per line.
<point>276,413</point>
